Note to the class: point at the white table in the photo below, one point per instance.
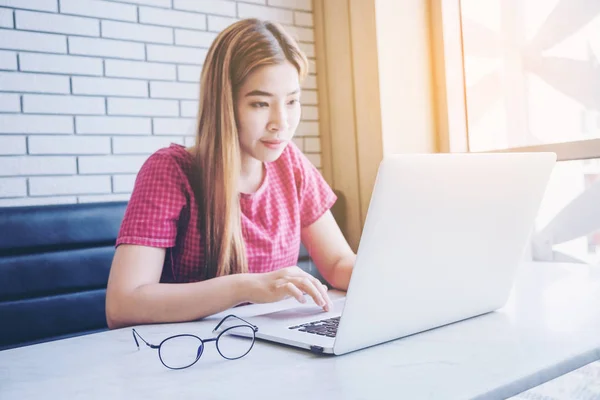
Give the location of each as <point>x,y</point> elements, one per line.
<point>550,326</point>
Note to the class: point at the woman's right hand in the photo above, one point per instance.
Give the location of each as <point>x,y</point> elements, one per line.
<point>273,286</point>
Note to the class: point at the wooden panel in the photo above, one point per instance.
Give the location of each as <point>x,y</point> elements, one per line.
<point>339,130</point>
<point>366,98</point>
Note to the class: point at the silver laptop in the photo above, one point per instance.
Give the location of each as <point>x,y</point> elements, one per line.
<point>443,237</point>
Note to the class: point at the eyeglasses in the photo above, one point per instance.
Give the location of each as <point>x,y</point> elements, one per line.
<point>182,351</point>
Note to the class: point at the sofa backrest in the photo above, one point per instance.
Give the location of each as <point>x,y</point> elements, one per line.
<point>54,266</point>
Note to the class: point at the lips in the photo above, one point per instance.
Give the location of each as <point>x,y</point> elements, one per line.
<point>272,142</point>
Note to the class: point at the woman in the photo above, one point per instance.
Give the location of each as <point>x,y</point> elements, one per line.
<point>220,224</point>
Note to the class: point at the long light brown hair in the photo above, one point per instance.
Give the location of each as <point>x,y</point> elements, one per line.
<point>236,52</point>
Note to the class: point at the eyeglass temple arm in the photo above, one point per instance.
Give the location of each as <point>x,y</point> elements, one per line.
<point>234,316</point>
<point>134,333</point>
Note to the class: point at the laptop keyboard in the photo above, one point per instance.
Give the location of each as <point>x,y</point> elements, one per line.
<point>325,327</point>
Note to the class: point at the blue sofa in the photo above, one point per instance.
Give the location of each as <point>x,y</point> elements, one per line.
<point>54,266</point>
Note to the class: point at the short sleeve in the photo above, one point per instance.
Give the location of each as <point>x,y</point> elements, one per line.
<point>153,211</point>
<point>316,196</point>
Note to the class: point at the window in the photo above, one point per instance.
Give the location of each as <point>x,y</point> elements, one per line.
<point>529,77</point>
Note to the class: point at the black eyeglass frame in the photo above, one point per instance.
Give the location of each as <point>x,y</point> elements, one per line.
<point>202,341</point>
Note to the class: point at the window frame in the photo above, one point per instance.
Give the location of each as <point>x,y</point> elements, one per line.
<point>451,99</point>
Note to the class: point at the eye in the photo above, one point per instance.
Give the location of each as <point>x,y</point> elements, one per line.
<point>293,101</point>
<point>259,104</point>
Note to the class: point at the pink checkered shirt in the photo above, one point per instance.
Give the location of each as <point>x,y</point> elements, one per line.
<point>162,212</point>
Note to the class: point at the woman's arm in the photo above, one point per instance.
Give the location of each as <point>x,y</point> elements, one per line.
<point>135,296</point>
<point>330,251</point>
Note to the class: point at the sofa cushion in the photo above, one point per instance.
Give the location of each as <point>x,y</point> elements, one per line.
<point>55,272</point>
<point>39,229</point>
<point>46,317</point>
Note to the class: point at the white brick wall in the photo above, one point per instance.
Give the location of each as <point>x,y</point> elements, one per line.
<point>90,88</point>
<point>8,60</point>
<point>136,32</point>
<point>10,102</point>
<point>217,24</point>
<point>57,104</point>
<point>42,5</point>
<point>56,23</point>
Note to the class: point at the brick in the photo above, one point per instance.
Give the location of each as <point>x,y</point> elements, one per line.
<point>310,82</point>
<point>57,23</point>
<point>123,183</point>
<point>42,5</point>
<point>177,19</point>
<point>106,198</point>
<point>110,164</point>
<point>68,145</point>
<point>315,159</point>
<point>218,7</point>
<point>174,90</point>
<point>60,64</point>
<point>142,145</point>
<point>303,18</point>
<point>6,18</point>
<point>25,82</point>
<point>35,201</point>
<point>35,124</point>
<point>65,185</point>
<point>189,141</point>
<point>136,32</point>
<point>106,48</point>
<point>13,187</point>
<point>142,70</point>
<point>189,108</point>
<point>146,107</point>
<point>8,60</point>
<point>296,4</point>
<point>312,145</point>
<point>312,66</point>
<point>109,86</point>
<point>10,103</point>
<point>156,3</point>
<point>56,104</point>
<point>300,34</point>
<point>174,126</point>
<point>262,12</point>
<point>36,165</point>
<point>185,37</point>
<point>99,9</point>
<point>113,125</point>
<point>188,73</point>
<point>309,97</point>
<point>12,145</point>
<point>308,49</point>
<point>307,129</point>
<point>183,55</point>
<point>310,113</point>
<point>298,141</point>
<point>217,24</point>
<point>34,41</point>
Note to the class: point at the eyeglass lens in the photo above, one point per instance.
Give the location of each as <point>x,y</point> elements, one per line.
<point>236,342</point>
<point>180,351</point>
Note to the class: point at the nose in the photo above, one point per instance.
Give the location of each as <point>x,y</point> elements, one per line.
<point>278,121</point>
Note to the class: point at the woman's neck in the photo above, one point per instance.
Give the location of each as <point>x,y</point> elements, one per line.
<point>251,175</point>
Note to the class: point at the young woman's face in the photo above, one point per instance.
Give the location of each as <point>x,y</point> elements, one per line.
<point>268,111</point>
